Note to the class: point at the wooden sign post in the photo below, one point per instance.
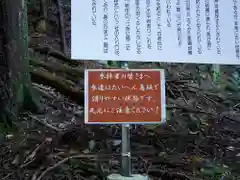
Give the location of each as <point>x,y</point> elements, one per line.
<point>123,96</point>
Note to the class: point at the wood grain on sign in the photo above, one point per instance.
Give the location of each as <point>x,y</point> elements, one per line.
<point>124,96</point>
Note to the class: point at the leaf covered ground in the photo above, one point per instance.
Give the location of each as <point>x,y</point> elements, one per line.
<point>201,139</point>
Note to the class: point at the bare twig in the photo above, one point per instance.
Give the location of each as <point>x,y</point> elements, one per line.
<point>63,161</point>
<point>43,93</point>
<point>174,175</point>
<point>7,176</point>
<point>31,157</point>
<point>35,175</point>
<point>45,123</point>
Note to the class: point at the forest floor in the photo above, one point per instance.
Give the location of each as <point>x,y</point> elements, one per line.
<point>201,139</point>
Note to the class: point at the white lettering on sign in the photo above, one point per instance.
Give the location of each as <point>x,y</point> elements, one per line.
<point>126,110</point>
<point>123,76</point>
<point>120,96</point>
<point>157,30</point>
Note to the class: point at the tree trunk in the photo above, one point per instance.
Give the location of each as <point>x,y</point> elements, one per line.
<point>15,89</point>
<point>30,100</point>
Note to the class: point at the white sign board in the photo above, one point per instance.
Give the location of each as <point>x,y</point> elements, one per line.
<point>187,31</point>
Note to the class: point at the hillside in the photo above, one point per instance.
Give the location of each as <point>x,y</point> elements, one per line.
<point>201,139</point>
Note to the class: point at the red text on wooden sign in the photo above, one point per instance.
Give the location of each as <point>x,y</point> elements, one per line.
<point>124,96</point>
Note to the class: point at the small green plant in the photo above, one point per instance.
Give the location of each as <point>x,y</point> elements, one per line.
<point>214,171</point>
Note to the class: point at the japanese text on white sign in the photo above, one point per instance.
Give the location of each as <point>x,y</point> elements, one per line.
<point>151,30</point>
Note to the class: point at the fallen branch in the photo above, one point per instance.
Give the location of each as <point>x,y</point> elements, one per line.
<point>59,163</point>
<point>56,67</point>
<point>60,84</point>
<point>45,123</point>
<point>34,154</point>
<point>47,50</point>
<point>43,93</point>
<point>168,175</point>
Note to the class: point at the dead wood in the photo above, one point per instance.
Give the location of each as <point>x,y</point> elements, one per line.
<point>44,123</point>
<point>162,151</point>
<point>74,73</point>
<point>49,51</point>
<point>156,172</point>
<point>64,86</point>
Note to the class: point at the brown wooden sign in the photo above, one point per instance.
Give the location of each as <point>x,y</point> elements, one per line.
<point>114,96</point>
